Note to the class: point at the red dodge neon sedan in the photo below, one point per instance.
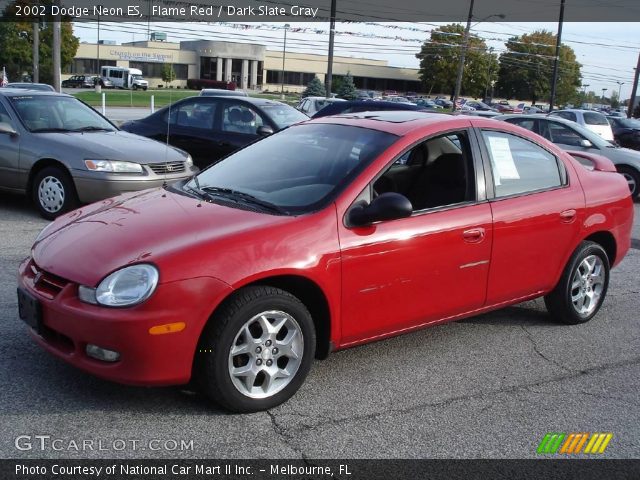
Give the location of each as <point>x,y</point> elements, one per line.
<point>328,234</point>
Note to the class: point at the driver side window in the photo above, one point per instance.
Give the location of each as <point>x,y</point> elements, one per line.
<point>432,174</point>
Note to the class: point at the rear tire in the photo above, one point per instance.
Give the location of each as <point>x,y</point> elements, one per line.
<point>633,179</point>
<point>582,287</point>
<point>256,351</point>
<point>53,192</point>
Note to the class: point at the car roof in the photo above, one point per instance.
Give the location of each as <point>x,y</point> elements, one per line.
<point>21,92</point>
<point>398,122</point>
<point>539,116</point>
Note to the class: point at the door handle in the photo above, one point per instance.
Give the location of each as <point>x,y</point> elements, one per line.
<point>473,235</point>
<point>568,216</point>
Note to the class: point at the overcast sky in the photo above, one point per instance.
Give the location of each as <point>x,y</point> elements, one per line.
<point>607,51</point>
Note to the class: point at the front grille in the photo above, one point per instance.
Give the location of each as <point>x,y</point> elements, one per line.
<point>167,168</point>
<point>45,283</point>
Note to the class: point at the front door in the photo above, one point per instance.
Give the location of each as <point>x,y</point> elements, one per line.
<point>9,154</point>
<point>405,273</point>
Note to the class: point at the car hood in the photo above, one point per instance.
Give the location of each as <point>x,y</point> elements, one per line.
<point>622,155</point>
<point>118,145</point>
<point>87,244</point>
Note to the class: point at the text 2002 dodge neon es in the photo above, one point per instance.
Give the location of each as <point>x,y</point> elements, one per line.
<point>329,234</point>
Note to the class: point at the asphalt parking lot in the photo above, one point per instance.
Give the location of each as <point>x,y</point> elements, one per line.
<point>487,387</point>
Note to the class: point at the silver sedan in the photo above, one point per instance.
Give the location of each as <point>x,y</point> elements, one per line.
<point>572,136</point>
<point>63,153</point>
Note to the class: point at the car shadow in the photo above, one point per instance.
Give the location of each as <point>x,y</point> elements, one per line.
<point>16,204</point>
<point>48,385</point>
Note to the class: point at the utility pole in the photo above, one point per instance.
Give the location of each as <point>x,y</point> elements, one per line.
<point>332,32</point>
<point>36,52</point>
<point>56,51</point>
<point>556,63</point>
<point>463,54</point>
<point>284,54</point>
<point>634,90</point>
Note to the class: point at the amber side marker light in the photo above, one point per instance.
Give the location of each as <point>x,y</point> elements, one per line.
<point>168,328</point>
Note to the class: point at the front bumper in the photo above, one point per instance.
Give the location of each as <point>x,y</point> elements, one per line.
<point>68,325</point>
<point>96,186</point>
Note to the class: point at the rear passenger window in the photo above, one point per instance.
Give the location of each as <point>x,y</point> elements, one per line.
<point>520,166</point>
<point>4,115</point>
<point>594,118</point>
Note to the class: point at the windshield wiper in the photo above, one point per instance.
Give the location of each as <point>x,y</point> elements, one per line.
<point>46,130</point>
<point>242,196</point>
<point>92,128</point>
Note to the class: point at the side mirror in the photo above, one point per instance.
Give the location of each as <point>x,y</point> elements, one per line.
<point>586,143</point>
<point>264,131</point>
<point>388,206</point>
<point>8,129</point>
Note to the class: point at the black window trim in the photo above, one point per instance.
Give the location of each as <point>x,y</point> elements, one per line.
<point>477,166</point>
<point>491,194</point>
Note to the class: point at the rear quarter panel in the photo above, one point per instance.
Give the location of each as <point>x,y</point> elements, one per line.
<point>608,206</point>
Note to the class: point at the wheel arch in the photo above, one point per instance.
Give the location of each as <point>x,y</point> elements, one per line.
<point>41,165</point>
<point>607,241</point>
<point>309,293</point>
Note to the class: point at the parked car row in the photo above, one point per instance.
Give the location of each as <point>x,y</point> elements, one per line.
<point>87,81</point>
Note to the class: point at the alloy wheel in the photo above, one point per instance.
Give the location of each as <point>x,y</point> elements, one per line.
<point>266,354</point>
<point>587,285</point>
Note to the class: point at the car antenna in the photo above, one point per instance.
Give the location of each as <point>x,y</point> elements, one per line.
<point>166,145</point>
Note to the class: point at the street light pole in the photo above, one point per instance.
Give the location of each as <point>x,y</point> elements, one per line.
<point>36,52</point>
<point>463,53</point>
<point>620,90</point>
<point>603,90</point>
<point>332,33</point>
<point>284,53</point>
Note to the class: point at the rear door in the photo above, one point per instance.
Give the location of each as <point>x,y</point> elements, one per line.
<point>239,123</point>
<point>192,129</point>
<point>537,203</point>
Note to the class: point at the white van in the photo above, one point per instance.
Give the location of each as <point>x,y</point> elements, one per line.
<point>123,77</point>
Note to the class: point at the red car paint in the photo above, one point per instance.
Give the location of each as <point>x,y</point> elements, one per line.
<point>378,281</point>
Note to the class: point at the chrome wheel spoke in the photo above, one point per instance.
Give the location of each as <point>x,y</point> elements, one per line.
<point>587,285</point>
<point>266,354</point>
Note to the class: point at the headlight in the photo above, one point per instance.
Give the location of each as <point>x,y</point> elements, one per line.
<point>113,166</point>
<point>189,161</point>
<point>124,288</point>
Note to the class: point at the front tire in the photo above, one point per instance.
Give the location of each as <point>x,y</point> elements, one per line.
<point>582,287</point>
<point>257,350</point>
<point>53,192</point>
<point>632,176</point>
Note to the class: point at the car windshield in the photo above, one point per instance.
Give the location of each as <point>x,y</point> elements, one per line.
<point>297,170</point>
<point>593,137</point>
<point>283,115</point>
<point>53,113</point>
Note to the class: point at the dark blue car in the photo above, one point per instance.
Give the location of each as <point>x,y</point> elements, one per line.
<point>363,106</point>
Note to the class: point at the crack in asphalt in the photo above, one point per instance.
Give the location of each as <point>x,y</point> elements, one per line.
<point>542,355</point>
<point>288,440</point>
<point>460,398</point>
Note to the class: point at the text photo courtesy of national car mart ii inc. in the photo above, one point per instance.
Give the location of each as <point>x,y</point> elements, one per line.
<point>185,471</point>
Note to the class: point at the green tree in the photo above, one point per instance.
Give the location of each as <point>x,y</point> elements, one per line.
<point>439,58</point>
<point>526,69</point>
<point>16,40</point>
<point>315,88</point>
<point>614,101</point>
<point>347,88</point>
<point>168,73</point>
